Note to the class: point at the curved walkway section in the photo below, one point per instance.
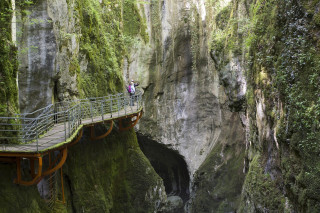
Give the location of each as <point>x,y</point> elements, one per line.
<point>57,125</point>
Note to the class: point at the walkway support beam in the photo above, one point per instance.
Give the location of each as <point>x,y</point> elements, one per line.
<point>64,153</point>
<point>35,179</point>
<point>93,137</point>
<point>131,124</point>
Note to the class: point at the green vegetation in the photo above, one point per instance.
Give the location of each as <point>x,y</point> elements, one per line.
<point>101,42</point>
<point>8,70</point>
<point>287,55</point>
<point>280,44</point>
<point>8,63</point>
<point>219,191</point>
<point>14,198</point>
<point>261,191</point>
<point>227,38</point>
<point>195,24</point>
<point>106,36</point>
<point>110,175</point>
<point>133,24</point>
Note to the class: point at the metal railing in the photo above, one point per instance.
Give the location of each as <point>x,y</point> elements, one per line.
<point>58,122</point>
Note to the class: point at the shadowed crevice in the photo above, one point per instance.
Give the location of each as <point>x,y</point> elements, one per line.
<point>169,165</point>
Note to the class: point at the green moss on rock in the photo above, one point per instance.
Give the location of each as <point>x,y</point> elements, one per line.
<point>107,30</point>
<point>8,63</point>
<point>15,198</point>
<point>133,23</point>
<point>102,44</point>
<point>283,45</point>
<point>260,192</point>
<point>74,67</point>
<point>279,42</point>
<point>111,175</point>
<point>219,191</point>
<point>8,70</point>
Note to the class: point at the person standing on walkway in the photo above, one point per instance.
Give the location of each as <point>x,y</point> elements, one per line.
<point>132,90</point>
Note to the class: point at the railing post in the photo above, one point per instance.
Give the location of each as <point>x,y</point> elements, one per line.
<point>118,105</point>
<point>91,111</point>
<point>65,126</point>
<point>37,135</point>
<point>124,104</point>
<point>55,114</point>
<point>111,106</point>
<point>136,97</point>
<point>23,128</point>
<point>102,109</point>
<point>76,118</point>
<point>69,123</point>
<point>80,113</point>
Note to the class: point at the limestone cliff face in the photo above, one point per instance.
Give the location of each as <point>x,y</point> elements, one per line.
<point>43,60</point>
<point>68,50</point>
<point>232,86</point>
<point>185,105</point>
<point>194,99</point>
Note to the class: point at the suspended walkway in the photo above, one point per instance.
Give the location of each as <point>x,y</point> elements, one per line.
<point>48,132</point>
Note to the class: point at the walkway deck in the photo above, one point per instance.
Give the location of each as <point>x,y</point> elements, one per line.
<point>58,125</point>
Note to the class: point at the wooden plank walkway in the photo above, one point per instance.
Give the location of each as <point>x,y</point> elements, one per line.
<point>56,136</point>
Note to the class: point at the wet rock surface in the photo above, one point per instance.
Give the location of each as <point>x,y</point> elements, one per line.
<point>169,165</point>
<point>37,57</point>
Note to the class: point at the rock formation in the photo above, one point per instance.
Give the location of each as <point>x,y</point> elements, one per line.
<point>231,100</point>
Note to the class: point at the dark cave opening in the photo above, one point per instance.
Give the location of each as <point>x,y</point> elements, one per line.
<point>169,165</point>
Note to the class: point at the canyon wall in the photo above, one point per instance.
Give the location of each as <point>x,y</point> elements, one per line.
<point>8,63</point>
<point>108,175</point>
<point>282,100</point>
<point>230,86</point>
<point>70,50</point>
<point>241,75</point>
<point>191,106</point>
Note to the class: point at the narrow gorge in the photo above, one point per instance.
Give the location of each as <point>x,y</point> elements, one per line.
<point>230,99</point>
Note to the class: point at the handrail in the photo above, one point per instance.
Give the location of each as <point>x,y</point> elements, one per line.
<point>25,130</point>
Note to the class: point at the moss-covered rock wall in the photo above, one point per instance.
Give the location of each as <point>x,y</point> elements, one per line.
<point>75,48</point>
<point>8,63</point>
<point>210,71</point>
<point>111,175</point>
<point>8,71</point>
<point>68,50</point>
<point>278,44</point>
<point>285,64</point>
<point>15,198</point>
<point>264,69</point>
